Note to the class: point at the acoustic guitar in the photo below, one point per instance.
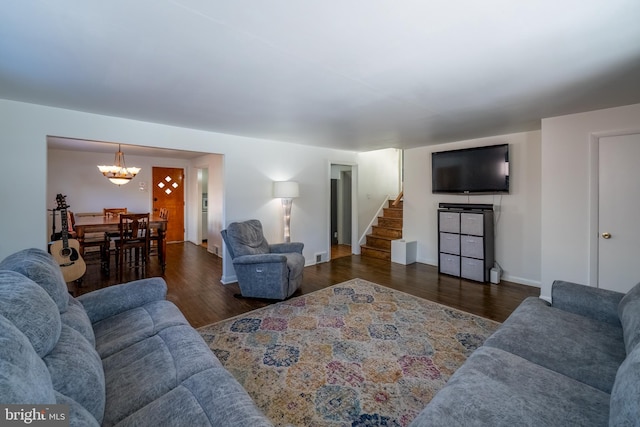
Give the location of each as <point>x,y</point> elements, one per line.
<point>67,251</point>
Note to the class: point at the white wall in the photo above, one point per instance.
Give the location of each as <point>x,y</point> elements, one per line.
<point>215,212</point>
<point>566,215</point>
<point>517,215</point>
<point>250,167</point>
<point>74,173</point>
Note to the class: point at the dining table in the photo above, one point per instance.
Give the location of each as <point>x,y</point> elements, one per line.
<point>96,224</point>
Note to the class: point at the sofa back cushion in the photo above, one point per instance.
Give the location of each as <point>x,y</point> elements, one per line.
<point>42,268</point>
<point>629,313</point>
<point>65,349</point>
<point>24,377</point>
<point>246,238</point>
<point>76,317</point>
<point>624,409</point>
<point>31,310</point>
<point>76,371</point>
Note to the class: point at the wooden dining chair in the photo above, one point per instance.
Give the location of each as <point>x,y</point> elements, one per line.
<point>112,212</point>
<point>154,238</point>
<point>132,243</point>
<point>91,240</point>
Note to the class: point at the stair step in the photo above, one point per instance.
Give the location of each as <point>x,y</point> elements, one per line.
<point>375,253</point>
<point>390,222</point>
<point>392,233</point>
<point>392,212</point>
<point>378,242</point>
<point>389,227</point>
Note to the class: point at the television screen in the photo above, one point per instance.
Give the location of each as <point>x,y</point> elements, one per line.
<point>471,170</point>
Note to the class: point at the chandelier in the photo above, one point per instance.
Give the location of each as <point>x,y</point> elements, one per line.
<point>119,174</point>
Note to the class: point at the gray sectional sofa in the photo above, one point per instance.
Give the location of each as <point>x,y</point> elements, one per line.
<point>575,362</point>
<point>122,355</point>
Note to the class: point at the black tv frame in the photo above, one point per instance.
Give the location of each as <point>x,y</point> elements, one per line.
<point>465,157</point>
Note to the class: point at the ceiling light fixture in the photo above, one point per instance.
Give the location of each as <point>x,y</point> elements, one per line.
<point>119,174</point>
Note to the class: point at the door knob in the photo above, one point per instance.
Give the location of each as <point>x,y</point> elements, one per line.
<point>606,235</point>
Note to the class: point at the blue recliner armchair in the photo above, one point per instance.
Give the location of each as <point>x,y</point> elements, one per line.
<point>263,270</point>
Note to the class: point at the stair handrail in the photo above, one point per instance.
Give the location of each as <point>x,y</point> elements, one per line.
<point>378,213</point>
<point>397,200</point>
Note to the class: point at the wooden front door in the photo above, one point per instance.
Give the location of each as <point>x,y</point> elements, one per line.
<point>168,192</point>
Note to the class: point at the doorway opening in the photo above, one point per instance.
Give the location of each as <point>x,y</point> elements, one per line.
<point>341,229</point>
<point>203,194</point>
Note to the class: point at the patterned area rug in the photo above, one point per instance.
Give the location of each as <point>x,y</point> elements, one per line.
<point>354,354</point>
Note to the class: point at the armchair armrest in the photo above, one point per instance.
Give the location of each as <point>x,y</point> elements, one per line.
<point>284,248</point>
<point>595,303</point>
<point>116,299</point>
<point>259,259</point>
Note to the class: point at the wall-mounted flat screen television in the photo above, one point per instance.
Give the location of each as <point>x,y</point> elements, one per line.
<point>471,170</point>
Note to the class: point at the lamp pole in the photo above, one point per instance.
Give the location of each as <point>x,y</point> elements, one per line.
<point>286,207</point>
<point>286,191</point>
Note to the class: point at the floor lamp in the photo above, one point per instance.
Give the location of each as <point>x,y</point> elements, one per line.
<point>286,190</point>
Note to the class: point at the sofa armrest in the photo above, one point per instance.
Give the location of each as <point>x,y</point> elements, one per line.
<point>285,248</point>
<point>595,303</point>
<point>259,259</point>
<point>107,302</point>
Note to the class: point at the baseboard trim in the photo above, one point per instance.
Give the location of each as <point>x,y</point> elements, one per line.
<point>508,278</point>
<point>227,280</point>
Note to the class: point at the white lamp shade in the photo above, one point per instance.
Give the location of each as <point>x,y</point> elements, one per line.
<point>285,189</point>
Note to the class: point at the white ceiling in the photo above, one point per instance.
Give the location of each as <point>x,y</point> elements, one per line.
<point>350,74</point>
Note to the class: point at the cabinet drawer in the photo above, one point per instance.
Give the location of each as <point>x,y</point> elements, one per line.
<point>450,243</point>
<point>472,223</point>
<point>450,264</point>
<point>472,246</point>
<point>472,269</point>
<point>449,222</point>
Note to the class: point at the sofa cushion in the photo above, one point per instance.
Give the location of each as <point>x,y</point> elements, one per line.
<point>145,371</point>
<point>210,397</point>
<point>24,377</point>
<point>76,318</point>
<point>497,388</point>
<point>20,296</point>
<point>625,396</point>
<point>76,371</point>
<point>629,313</point>
<point>115,333</point>
<point>40,267</point>
<point>246,238</point>
<point>78,416</point>
<point>582,348</point>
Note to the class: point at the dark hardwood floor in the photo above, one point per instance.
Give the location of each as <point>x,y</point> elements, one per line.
<point>193,278</point>
<point>338,251</point>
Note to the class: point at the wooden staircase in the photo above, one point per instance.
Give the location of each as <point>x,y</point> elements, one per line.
<point>378,243</point>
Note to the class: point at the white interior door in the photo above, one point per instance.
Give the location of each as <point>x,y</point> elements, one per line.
<point>619,212</point>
